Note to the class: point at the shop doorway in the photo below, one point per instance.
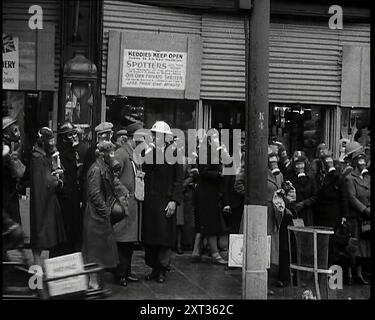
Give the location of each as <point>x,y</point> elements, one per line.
<point>32,110</point>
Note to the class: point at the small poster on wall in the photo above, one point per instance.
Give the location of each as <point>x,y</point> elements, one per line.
<point>154,69</point>
<point>10,62</point>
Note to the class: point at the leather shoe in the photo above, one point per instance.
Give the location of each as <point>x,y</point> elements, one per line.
<point>132,278</point>
<point>270,292</point>
<point>123,282</point>
<point>160,278</point>
<point>151,276</point>
<point>180,251</point>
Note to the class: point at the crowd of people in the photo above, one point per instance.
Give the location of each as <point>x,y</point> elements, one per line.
<point>102,200</point>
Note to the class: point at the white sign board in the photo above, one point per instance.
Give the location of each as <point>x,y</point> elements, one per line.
<point>235,255</point>
<point>151,69</point>
<point>10,62</point>
<point>64,266</point>
<point>235,252</point>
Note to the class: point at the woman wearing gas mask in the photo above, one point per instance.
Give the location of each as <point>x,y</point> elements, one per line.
<point>13,168</point>
<point>69,196</point>
<point>358,182</point>
<point>332,197</point>
<point>46,221</point>
<point>305,187</point>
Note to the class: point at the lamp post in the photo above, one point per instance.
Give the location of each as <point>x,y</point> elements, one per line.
<point>254,284</point>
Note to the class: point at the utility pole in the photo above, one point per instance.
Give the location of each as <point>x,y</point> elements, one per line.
<point>254,271</point>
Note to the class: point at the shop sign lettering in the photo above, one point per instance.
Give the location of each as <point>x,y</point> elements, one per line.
<point>10,62</point>
<point>154,69</point>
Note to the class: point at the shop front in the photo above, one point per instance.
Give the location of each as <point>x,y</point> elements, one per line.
<point>181,66</point>
<point>30,69</point>
<point>305,71</point>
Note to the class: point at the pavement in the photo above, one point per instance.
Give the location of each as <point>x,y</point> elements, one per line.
<point>204,281</point>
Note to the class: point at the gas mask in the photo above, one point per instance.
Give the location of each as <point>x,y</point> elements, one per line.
<point>284,157</point>
<point>300,169</point>
<point>13,133</point>
<point>105,136</point>
<point>46,140</point>
<point>72,138</point>
<point>328,164</point>
<point>361,165</point>
<point>273,166</point>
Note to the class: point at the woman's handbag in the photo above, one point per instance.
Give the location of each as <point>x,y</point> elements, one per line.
<point>139,190</point>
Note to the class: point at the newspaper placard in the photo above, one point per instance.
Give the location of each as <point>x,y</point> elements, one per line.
<point>10,62</point>
<point>63,266</point>
<point>235,255</point>
<point>235,252</point>
<point>151,69</point>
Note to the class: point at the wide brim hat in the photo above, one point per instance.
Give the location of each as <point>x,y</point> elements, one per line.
<point>8,121</point>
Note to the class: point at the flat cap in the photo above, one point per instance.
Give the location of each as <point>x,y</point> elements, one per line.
<point>131,128</point>
<point>121,132</point>
<point>103,127</point>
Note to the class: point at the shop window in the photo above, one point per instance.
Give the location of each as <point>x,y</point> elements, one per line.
<point>227,115</point>
<point>355,125</point>
<point>298,127</point>
<point>122,111</point>
<point>32,110</point>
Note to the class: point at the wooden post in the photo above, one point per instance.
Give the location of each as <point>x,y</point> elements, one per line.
<point>255,212</point>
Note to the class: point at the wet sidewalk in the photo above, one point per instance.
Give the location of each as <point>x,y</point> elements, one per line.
<point>204,280</point>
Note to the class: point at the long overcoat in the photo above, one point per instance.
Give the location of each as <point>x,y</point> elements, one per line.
<point>163,183</point>
<point>128,229</point>
<point>99,244</point>
<point>305,195</point>
<point>273,218</point>
<point>359,196</point>
<point>209,199</point>
<point>332,201</point>
<point>69,196</point>
<point>46,221</point>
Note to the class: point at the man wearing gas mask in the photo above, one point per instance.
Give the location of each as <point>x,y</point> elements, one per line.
<point>358,183</point>
<point>127,231</point>
<point>305,187</point>
<point>99,244</point>
<point>13,169</point>
<point>69,196</point>
<point>46,221</point>
<point>163,192</point>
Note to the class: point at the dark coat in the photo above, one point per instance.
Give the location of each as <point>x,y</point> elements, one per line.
<point>332,201</point>
<point>359,194</point>
<point>273,217</point>
<point>128,229</point>
<point>163,183</point>
<point>208,205</point>
<point>305,195</point>
<point>10,193</point>
<point>99,244</point>
<point>69,196</point>
<point>46,221</point>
